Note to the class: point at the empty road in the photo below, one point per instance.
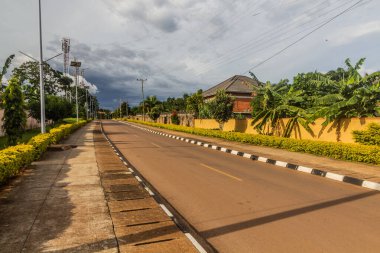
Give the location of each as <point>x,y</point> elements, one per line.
<point>240,205</point>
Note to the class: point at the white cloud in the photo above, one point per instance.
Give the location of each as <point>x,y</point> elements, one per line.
<point>349,34</point>
<point>4,80</point>
<point>169,41</point>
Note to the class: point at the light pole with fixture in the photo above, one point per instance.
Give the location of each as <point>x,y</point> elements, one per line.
<point>143,98</point>
<point>77,65</point>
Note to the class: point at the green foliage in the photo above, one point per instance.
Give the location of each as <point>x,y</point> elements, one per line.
<point>4,70</point>
<point>341,151</point>
<point>154,113</point>
<point>194,103</point>
<point>341,93</point>
<point>221,107</point>
<point>124,108</point>
<point>65,83</point>
<point>175,104</point>
<point>205,111</point>
<point>174,118</point>
<point>14,118</point>
<point>275,102</point>
<point>14,158</point>
<point>371,136</point>
<point>56,108</point>
<point>29,75</point>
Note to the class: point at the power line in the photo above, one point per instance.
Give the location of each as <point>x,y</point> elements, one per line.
<point>270,35</point>
<point>305,36</point>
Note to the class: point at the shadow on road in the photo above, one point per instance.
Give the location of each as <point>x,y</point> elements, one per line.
<point>283,215</point>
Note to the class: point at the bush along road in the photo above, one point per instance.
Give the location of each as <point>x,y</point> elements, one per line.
<point>341,151</point>
<point>14,158</point>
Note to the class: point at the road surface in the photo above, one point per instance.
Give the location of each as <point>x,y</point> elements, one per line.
<point>240,205</point>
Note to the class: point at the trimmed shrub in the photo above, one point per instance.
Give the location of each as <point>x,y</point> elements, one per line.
<point>40,143</point>
<point>14,158</point>
<point>174,118</point>
<point>341,151</point>
<point>371,136</point>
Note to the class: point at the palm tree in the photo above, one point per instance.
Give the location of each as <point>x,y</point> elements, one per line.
<point>65,83</point>
<point>275,102</point>
<point>4,70</point>
<point>356,97</point>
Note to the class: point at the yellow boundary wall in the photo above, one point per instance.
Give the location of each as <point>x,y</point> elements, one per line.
<point>335,132</point>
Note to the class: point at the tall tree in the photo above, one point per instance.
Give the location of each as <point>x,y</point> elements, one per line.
<point>14,118</point>
<point>275,102</point>
<point>222,107</point>
<point>56,108</point>
<point>65,83</point>
<point>4,70</point>
<point>194,102</point>
<point>29,75</point>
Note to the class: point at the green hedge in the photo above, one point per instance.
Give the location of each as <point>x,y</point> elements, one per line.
<point>341,151</point>
<point>12,159</point>
<point>371,136</point>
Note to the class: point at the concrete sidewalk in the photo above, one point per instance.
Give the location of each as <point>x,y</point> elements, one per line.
<point>58,204</point>
<point>353,169</point>
<point>83,200</point>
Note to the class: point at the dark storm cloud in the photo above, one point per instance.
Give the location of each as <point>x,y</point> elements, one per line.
<point>166,24</point>
<point>114,71</point>
<point>162,16</point>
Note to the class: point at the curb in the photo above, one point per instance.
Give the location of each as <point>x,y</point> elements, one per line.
<point>316,172</point>
<point>153,192</point>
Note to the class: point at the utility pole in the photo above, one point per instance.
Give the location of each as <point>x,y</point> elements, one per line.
<point>143,98</point>
<point>86,88</point>
<point>42,86</point>
<point>90,106</point>
<point>120,107</point>
<point>126,105</point>
<point>77,65</point>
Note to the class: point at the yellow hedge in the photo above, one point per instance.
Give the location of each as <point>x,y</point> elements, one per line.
<point>12,159</point>
<point>341,151</point>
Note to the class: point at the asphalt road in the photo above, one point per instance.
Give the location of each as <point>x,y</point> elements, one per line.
<point>239,205</point>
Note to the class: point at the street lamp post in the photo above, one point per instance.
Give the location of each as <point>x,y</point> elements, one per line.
<point>77,65</point>
<point>42,87</point>
<point>86,87</point>
<point>143,98</point>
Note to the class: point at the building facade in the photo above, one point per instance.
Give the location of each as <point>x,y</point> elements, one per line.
<point>242,88</point>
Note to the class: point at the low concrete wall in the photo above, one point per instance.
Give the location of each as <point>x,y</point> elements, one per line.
<point>184,119</point>
<point>335,132</point>
<point>30,123</point>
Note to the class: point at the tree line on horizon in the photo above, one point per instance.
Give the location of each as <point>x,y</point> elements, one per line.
<point>20,97</point>
<point>334,95</point>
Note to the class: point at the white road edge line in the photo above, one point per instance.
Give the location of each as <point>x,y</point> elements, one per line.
<point>246,155</point>
<point>149,191</point>
<point>195,243</point>
<point>168,213</point>
<point>234,152</point>
<point>371,185</point>
<point>334,176</point>
<point>262,159</point>
<point>138,178</point>
<point>330,175</point>
<point>281,164</point>
<point>304,169</point>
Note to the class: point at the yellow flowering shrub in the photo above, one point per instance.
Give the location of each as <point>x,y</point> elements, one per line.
<point>12,159</point>
<point>341,151</point>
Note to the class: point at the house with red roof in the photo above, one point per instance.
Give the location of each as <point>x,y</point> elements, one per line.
<point>242,88</point>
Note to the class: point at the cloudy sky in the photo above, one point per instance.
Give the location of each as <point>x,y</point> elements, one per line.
<point>184,45</point>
